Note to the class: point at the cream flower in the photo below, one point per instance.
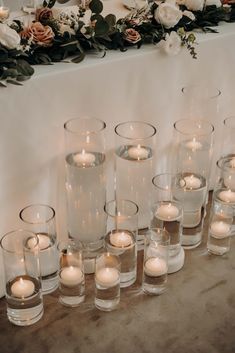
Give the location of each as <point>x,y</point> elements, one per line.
<point>66,28</point>
<point>194,5</point>
<point>167,14</point>
<point>9,38</point>
<point>189,14</point>
<point>172,44</point>
<point>217,3</point>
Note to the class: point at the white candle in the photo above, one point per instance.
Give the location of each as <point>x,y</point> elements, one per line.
<point>138,152</point>
<point>120,239</point>
<point>232,163</point>
<point>4,13</point>
<point>192,182</point>
<point>84,158</point>
<point>155,267</point>
<point>220,229</point>
<point>227,196</point>
<point>43,242</point>
<point>107,277</point>
<point>167,212</point>
<point>194,145</point>
<point>71,276</point>
<point>22,288</point>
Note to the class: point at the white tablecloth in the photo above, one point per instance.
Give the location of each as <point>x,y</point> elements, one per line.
<point>137,85</point>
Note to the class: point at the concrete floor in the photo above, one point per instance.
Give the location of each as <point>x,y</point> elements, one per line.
<point>195,315</point>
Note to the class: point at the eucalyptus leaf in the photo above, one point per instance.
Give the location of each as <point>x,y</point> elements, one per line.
<point>78,58</point>
<point>96,6</point>
<point>101,28</point>
<point>24,68</point>
<point>14,82</point>
<point>111,20</point>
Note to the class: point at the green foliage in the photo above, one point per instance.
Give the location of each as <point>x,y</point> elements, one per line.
<point>101,34</point>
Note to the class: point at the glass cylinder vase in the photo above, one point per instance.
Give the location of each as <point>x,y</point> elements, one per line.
<point>134,165</point>
<point>194,139</point>
<point>120,240</point>
<point>85,184</point>
<point>23,278</point>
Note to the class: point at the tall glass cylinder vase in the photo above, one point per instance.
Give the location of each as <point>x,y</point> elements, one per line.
<point>228,146</point>
<point>86,185</point>
<point>224,190</point>
<point>134,168</point>
<point>202,101</point>
<point>193,160</point>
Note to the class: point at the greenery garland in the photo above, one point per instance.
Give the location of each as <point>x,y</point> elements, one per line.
<point>52,38</point>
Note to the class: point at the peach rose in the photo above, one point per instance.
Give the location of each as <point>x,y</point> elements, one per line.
<point>132,36</point>
<point>41,35</point>
<point>43,14</point>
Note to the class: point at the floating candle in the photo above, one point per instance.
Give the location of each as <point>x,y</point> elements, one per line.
<point>232,163</point>
<point>4,13</point>
<point>84,158</point>
<point>227,196</point>
<point>155,267</point>
<point>192,182</point>
<point>194,145</point>
<point>138,152</point>
<point>220,229</point>
<point>22,288</point>
<point>167,212</point>
<point>120,239</point>
<point>71,276</point>
<point>43,241</point>
<point>107,277</point>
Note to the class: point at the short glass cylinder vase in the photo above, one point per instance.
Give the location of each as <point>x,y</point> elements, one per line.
<point>40,219</point>
<point>167,213</point>
<point>71,273</point>
<point>193,162</point>
<point>120,239</point>
<point>134,165</point>
<point>107,281</point>
<point>155,267</point>
<point>20,250</point>
<point>220,226</point>
<point>85,185</point>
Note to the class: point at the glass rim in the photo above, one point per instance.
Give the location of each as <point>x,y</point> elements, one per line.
<point>195,121</point>
<point>126,201</point>
<point>221,161</point>
<point>32,235</point>
<point>108,254</point>
<point>63,244</point>
<point>227,119</point>
<point>33,205</point>
<point>182,180</point>
<point>199,85</point>
<point>137,138</point>
<point>87,133</point>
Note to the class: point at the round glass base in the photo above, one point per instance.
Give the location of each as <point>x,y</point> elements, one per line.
<point>217,250</point>
<point>127,279</point>
<point>72,301</point>
<point>50,285</point>
<point>25,317</point>
<point>153,289</point>
<point>106,305</point>
<point>176,262</point>
<point>191,241</point>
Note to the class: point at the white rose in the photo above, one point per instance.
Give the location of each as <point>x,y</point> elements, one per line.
<point>9,38</point>
<point>217,3</point>
<point>172,44</point>
<point>194,5</point>
<point>189,14</point>
<point>167,14</point>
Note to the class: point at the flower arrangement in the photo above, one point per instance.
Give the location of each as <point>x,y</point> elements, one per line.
<point>55,35</point>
